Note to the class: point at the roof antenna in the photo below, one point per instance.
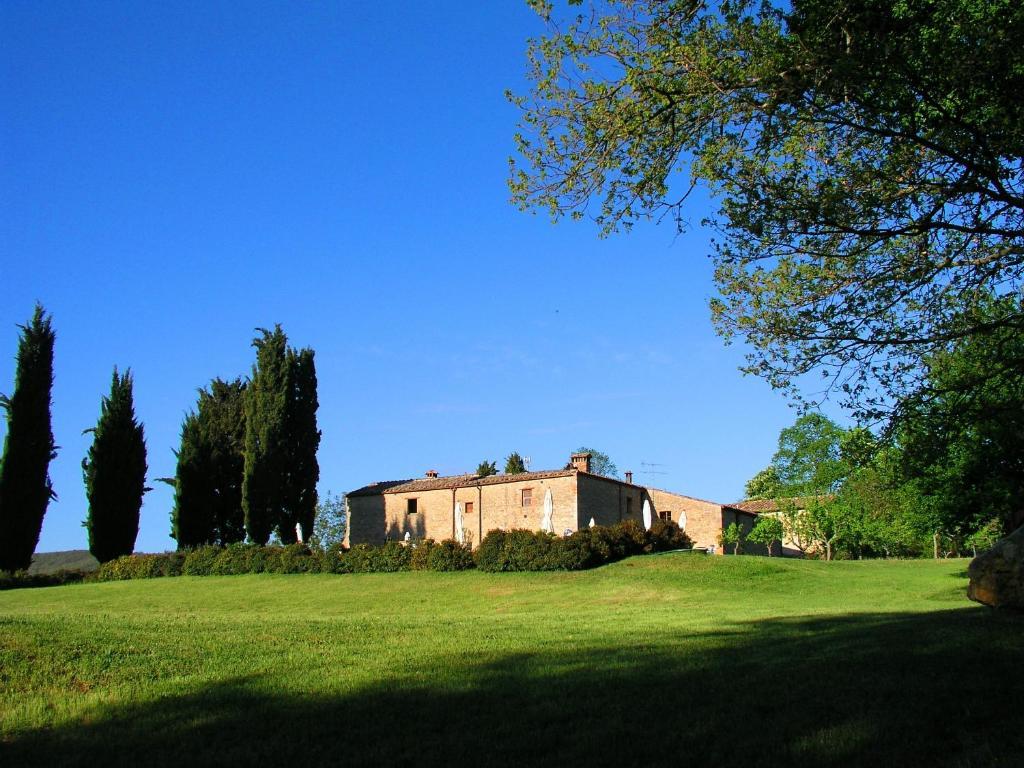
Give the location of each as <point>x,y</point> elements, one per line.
<point>651,471</point>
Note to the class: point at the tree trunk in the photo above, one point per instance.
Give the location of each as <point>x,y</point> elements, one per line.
<point>935,544</point>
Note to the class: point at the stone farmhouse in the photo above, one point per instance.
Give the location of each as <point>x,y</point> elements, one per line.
<point>427,507</point>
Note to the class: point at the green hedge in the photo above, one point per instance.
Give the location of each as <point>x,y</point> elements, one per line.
<point>524,550</point>
<point>23,579</point>
<point>141,567</point>
<point>449,555</point>
<point>390,558</point>
<point>517,550</point>
<point>298,558</point>
<point>200,561</point>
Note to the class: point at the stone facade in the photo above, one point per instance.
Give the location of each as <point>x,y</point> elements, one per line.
<point>608,501</point>
<point>702,520</point>
<point>425,508</point>
<point>374,519</point>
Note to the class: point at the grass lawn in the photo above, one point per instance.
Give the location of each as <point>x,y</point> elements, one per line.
<point>659,660</point>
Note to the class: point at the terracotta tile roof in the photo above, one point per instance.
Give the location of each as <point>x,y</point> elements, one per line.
<point>374,488</point>
<point>684,496</point>
<point>610,479</point>
<point>758,506</point>
<point>455,481</point>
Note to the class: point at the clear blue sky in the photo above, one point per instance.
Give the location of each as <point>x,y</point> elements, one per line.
<point>176,174</point>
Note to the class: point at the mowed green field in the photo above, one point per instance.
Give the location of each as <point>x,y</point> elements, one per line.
<point>660,660</point>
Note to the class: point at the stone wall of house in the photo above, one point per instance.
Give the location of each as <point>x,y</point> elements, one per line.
<point>703,519</point>
<point>375,519</point>
<point>608,501</point>
<point>746,522</point>
<point>502,504</point>
<point>366,520</point>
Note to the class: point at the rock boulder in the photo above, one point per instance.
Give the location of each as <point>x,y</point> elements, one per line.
<point>997,576</point>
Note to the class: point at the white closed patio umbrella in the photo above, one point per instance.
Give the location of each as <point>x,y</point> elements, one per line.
<point>549,508</point>
<point>460,523</point>
<point>647,514</point>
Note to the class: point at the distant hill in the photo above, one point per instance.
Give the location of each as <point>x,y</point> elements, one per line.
<point>70,560</point>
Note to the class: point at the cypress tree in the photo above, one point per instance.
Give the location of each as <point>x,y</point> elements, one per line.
<point>208,480</point>
<point>303,439</point>
<point>222,414</point>
<point>192,522</point>
<point>115,474</point>
<point>514,464</point>
<point>266,408</point>
<point>25,488</point>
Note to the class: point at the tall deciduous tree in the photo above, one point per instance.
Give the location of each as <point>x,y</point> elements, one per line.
<point>331,521</point>
<point>115,473</point>
<point>867,157</point>
<point>266,410</point>
<point>963,446</point>
<point>814,459</point>
<point>764,485</point>
<point>303,439</point>
<point>600,462</point>
<point>884,516</point>
<point>25,488</point>
<point>809,459</point>
<point>208,480</point>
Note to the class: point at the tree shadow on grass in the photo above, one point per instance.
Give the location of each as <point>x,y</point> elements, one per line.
<point>943,688</point>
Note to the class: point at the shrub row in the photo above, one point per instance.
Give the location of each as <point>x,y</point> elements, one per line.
<point>524,550</point>
<point>237,559</point>
<point>234,559</point>
<point>426,555</point>
<point>517,550</point>
<point>22,579</point>
<point>447,555</point>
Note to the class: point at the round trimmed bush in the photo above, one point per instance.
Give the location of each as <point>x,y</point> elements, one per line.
<point>419,560</point>
<point>390,558</point>
<point>489,555</point>
<point>118,569</point>
<point>199,561</point>
<point>171,563</point>
<point>334,560</point>
<point>298,558</point>
<point>235,559</point>
<point>449,555</point>
<point>666,535</point>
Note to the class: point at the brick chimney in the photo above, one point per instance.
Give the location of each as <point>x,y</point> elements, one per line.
<point>580,461</point>
<point>432,474</point>
<point>629,477</point>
